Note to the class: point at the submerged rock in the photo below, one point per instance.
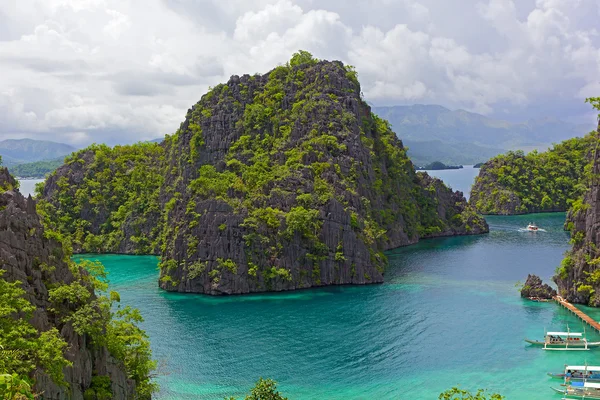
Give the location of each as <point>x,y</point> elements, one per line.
<point>534,288</point>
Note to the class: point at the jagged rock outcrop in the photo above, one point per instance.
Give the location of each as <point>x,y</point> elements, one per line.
<point>578,277</point>
<point>518,183</point>
<point>535,288</point>
<point>37,261</point>
<point>276,182</point>
<point>292,182</point>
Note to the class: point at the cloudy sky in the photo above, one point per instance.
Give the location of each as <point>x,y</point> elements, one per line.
<point>118,71</point>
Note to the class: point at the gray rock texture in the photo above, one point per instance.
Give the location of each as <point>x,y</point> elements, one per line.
<point>578,277</point>
<point>24,249</point>
<point>277,182</point>
<point>534,287</point>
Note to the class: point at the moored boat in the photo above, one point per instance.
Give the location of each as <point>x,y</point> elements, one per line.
<point>578,373</point>
<point>581,390</point>
<point>564,341</point>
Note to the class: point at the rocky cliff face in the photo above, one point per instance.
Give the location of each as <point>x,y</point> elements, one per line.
<point>291,182</point>
<point>535,289</point>
<point>30,256</point>
<point>578,277</point>
<point>285,181</point>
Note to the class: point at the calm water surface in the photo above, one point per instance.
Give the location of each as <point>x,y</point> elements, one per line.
<point>448,314</point>
<point>458,179</point>
<point>27,186</point>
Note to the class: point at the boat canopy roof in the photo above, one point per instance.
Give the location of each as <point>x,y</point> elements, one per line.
<point>592,385</point>
<point>590,368</point>
<point>565,333</point>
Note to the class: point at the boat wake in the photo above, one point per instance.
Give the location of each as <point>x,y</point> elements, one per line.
<point>528,230</point>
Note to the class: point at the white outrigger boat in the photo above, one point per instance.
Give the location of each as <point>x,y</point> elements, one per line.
<point>564,341</point>
<point>532,227</point>
<point>578,373</point>
<point>580,390</point>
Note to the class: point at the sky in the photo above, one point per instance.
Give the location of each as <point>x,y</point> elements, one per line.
<point>120,71</point>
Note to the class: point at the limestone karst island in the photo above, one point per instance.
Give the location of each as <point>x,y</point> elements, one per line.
<point>289,200</point>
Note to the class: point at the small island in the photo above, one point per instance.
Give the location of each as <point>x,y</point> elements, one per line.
<point>478,165</point>
<point>438,165</point>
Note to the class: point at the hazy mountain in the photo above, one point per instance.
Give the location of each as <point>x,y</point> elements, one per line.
<point>464,135</point>
<point>21,151</point>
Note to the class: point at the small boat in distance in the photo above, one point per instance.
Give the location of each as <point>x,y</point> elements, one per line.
<point>538,299</point>
<point>532,227</point>
<point>564,341</point>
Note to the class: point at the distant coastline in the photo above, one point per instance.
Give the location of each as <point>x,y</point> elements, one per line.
<point>437,166</point>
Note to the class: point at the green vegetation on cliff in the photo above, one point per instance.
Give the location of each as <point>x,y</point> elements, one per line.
<point>518,183</point>
<point>578,276</point>
<point>24,350</point>
<point>293,156</point>
<point>290,174</point>
<point>61,316</point>
<point>106,198</point>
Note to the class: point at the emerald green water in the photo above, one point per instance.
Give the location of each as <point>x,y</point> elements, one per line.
<point>448,314</point>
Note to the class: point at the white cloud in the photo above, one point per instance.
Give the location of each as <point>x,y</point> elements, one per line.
<point>116,70</point>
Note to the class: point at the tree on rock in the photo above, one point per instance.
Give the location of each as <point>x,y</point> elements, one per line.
<point>302,57</point>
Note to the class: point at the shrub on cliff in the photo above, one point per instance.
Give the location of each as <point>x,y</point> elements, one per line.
<point>61,317</point>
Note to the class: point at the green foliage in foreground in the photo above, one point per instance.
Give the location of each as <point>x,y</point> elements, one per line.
<point>265,389</point>
<point>459,394</point>
<point>24,350</point>
<point>515,182</point>
<point>37,169</point>
<point>14,387</point>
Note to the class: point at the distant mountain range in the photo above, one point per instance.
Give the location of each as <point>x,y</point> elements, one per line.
<point>21,151</point>
<point>431,133</point>
<point>435,133</point>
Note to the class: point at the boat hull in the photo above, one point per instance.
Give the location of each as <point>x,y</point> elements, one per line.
<point>562,345</point>
<point>573,378</point>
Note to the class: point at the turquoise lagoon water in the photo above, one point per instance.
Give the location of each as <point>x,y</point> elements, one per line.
<point>448,314</point>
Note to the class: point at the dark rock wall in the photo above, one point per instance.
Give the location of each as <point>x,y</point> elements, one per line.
<point>23,250</point>
<point>578,277</point>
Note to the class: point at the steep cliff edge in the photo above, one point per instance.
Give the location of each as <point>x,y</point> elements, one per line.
<point>578,277</point>
<point>53,328</point>
<point>518,183</point>
<point>278,182</point>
